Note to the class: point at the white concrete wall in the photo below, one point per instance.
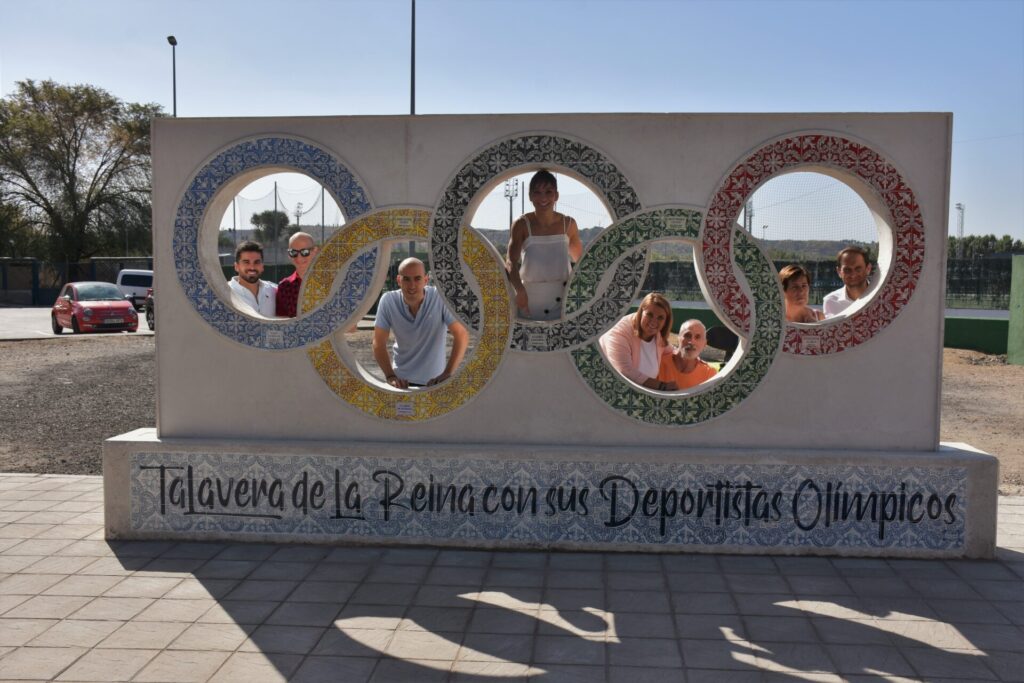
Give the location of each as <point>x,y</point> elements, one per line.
<point>881,395</point>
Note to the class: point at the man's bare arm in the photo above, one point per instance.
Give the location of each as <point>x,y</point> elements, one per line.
<point>460,342</point>
<point>383,358</point>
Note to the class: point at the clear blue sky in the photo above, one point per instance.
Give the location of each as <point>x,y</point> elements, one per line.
<point>311,57</point>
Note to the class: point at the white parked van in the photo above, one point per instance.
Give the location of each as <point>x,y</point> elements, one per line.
<point>134,283</point>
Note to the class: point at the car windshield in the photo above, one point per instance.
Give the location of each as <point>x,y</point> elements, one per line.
<point>99,291</point>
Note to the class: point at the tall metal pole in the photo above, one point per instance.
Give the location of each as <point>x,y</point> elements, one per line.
<point>174,73</point>
<point>412,79</point>
<point>511,192</point>
<point>322,214</point>
<point>234,222</point>
<point>960,210</point>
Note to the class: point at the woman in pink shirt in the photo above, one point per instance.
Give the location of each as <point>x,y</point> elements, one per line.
<point>636,344</point>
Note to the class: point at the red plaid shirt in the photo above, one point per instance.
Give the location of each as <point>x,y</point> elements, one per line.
<point>288,295</point>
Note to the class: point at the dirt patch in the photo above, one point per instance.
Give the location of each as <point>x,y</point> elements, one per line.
<point>983,405</point>
<point>59,399</point>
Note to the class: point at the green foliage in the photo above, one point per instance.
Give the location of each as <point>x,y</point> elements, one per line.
<point>17,237</point>
<point>979,246</point>
<point>75,160</point>
<point>271,226</point>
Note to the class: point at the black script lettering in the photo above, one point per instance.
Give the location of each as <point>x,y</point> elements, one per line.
<point>950,504</point>
<point>516,499</point>
<point>467,501</point>
<point>806,484</point>
<point>915,500</point>
<point>163,483</point>
<point>353,500</point>
<point>242,493</point>
<point>613,497</point>
<point>389,479</point>
<point>489,491</point>
<point>204,494</point>
<point>419,493</point>
<point>305,496</point>
<point>686,502</point>
<point>934,506</point>
<point>889,511</point>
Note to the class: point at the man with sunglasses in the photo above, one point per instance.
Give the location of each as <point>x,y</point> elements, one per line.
<point>301,250</point>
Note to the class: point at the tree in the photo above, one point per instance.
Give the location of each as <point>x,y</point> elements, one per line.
<point>270,226</point>
<point>75,160</point>
<point>17,238</point>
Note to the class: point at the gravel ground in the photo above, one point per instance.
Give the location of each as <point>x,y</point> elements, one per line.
<point>59,399</point>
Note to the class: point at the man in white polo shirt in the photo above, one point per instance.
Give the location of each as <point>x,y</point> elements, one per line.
<point>417,315</point>
<point>249,292</point>
<point>854,268</point>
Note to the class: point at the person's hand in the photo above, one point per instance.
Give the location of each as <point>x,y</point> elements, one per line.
<point>523,301</point>
<point>437,380</point>
<point>397,382</point>
<point>670,386</point>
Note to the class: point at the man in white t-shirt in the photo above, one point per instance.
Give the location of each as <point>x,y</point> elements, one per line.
<point>417,315</point>
<point>248,290</point>
<point>854,268</point>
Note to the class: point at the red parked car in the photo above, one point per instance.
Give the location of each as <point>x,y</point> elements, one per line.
<point>93,307</point>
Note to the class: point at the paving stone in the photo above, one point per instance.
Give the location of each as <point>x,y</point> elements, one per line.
<point>75,633</point>
<point>655,652</point>
<point>18,632</point>
<point>932,662</point>
<point>47,607</point>
<point>565,650</point>
<point>145,635</point>
<point>113,608</point>
<point>345,642</point>
<point>428,645</point>
<point>282,639</point>
<point>44,663</point>
<point>246,667</point>
<point>421,671</point>
<point>182,666</point>
<point>225,637</point>
<point>316,669</point>
<point>108,665</point>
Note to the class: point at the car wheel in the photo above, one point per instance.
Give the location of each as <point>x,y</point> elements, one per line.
<point>57,329</point>
<point>151,319</point>
<point>74,325</point>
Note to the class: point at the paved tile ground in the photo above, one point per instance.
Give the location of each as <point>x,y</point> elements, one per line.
<point>76,608</point>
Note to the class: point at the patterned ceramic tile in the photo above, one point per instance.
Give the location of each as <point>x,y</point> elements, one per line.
<point>851,157</point>
<point>564,503</point>
<point>478,368</point>
<point>244,329</point>
<point>525,150</point>
<point>718,396</point>
<point>589,312</point>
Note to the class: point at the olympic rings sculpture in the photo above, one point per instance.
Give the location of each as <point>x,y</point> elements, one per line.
<point>594,301</point>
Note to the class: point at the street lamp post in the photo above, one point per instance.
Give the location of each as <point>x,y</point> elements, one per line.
<point>174,73</point>
<point>511,192</point>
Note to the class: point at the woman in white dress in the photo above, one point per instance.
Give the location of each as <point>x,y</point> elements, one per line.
<point>539,252</point>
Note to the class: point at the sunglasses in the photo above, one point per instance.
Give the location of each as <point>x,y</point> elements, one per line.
<point>296,252</point>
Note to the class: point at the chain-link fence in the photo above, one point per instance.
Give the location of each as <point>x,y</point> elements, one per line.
<point>970,283</point>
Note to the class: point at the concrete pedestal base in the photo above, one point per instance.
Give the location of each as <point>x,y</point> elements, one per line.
<point>867,503</point>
